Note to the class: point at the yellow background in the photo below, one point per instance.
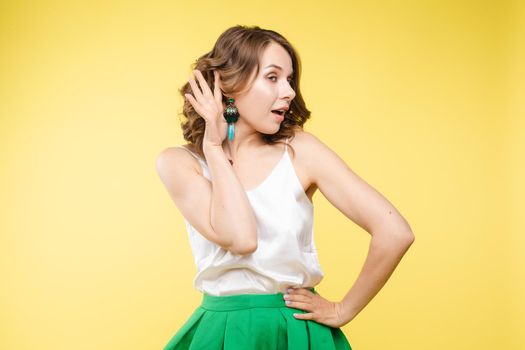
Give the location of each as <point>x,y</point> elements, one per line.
<point>423,99</point>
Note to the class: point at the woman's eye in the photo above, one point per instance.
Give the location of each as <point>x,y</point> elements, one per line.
<point>289,80</point>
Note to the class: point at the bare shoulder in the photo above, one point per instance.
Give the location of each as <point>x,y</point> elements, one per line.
<point>306,139</point>
<point>171,158</point>
<point>310,152</point>
<point>347,191</point>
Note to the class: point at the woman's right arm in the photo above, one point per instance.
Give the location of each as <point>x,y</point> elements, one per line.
<point>218,209</point>
<point>231,212</point>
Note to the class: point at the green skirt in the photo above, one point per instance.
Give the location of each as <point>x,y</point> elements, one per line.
<point>253,321</point>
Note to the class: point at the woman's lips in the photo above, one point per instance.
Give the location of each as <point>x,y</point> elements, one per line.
<point>278,117</point>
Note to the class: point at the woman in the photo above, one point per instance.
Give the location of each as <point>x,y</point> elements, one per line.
<point>247,203</point>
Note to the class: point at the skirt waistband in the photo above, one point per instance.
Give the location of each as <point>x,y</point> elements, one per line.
<point>243,301</point>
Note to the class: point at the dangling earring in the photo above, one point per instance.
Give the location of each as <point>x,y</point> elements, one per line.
<point>231,114</point>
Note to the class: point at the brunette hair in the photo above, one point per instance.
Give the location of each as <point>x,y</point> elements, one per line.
<point>235,55</point>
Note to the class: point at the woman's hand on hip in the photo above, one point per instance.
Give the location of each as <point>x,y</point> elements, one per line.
<point>318,308</point>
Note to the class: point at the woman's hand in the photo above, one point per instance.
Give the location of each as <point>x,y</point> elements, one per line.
<point>210,107</point>
<point>319,309</point>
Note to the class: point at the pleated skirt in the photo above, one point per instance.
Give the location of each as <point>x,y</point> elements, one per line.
<point>253,321</point>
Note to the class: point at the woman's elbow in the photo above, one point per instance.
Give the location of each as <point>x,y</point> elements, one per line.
<point>244,249</point>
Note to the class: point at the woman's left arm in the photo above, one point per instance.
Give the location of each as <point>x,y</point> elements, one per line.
<point>361,203</point>
<point>384,253</point>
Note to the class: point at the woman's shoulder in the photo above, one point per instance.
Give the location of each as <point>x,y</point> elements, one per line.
<point>183,155</point>
<point>305,141</point>
<point>309,151</point>
<point>306,159</point>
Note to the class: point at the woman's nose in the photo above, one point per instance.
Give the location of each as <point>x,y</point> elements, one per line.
<point>289,92</point>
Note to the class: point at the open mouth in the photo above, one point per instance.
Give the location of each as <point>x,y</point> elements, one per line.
<point>280,112</point>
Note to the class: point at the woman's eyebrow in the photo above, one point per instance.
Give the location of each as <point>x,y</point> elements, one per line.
<point>276,66</point>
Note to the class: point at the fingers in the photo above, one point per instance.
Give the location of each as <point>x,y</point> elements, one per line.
<point>298,299</point>
<point>217,93</point>
<point>299,305</point>
<point>194,103</point>
<point>311,306</point>
<point>305,316</point>
<point>203,84</point>
<point>195,89</point>
<point>203,94</point>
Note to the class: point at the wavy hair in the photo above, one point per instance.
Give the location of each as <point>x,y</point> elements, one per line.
<point>235,55</point>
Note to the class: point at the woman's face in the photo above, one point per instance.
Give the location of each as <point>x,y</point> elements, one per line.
<point>270,90</point>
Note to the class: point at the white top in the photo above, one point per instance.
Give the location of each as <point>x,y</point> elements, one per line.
<point>286,255</point>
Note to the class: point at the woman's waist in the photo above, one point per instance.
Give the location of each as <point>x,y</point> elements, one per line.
<point>243,301</point>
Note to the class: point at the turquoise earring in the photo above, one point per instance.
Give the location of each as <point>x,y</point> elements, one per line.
<point>231,114</point>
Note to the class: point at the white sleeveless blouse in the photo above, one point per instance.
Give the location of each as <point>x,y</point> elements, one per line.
<point>286,255</point>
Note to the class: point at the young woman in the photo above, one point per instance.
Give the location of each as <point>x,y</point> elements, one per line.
<point>247,204</point>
